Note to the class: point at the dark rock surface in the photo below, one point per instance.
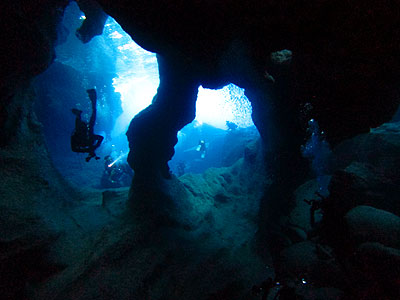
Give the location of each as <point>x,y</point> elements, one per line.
<point>304,261</point>
<point>371,178</point>
<point>32,195</point>
<point>380,148</point>
<point>28,38</point>
<point>367,224</point>
<point>380,267</point>
<point>357,238</point>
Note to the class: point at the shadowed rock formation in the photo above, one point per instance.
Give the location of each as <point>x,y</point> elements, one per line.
<point>152,133</point>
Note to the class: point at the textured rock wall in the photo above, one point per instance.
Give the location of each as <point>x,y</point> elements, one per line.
<point>29,186</point>
<point>28,37</point>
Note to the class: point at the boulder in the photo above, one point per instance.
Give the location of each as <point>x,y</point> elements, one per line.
<point>324,293</point>
<point>380,147</point>
<point>380,267</point>
<point>24,246</point>
<point>367,172</point>
<point>360,184</point>
<point>295,234</point>
<point>305,260</point>
<point>114,201</point>
<point>379,260</point>
<point>368,224</point>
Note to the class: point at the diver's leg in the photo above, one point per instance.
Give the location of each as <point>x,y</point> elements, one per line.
<point>90,156</point>
<point>152,133</point>
<point>94,144</point>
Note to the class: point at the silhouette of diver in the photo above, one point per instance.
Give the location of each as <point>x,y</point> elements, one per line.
<point>231,126</point>
<point>83,139</point>
<point>201,147</point>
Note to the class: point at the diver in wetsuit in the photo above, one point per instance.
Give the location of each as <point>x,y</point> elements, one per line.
<point>201,147</point>
<point>116,173</point>
<point>83,139</point>
<point>231,126</point>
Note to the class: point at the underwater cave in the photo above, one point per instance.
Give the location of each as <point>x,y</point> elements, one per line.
<point>126,78</point>
<point>237,150</point>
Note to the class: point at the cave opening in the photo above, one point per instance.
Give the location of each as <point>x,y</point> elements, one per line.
<point>126,78</point>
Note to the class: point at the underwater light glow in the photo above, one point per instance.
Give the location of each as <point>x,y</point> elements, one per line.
<point>138,80</point>
<point>116,35</point>
<point>215,107</point>
<point>118,159</point>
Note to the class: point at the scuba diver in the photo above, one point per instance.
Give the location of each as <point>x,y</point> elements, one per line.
<point>231,126</point>
<point>202,148</point>
<point>83,139</point>
<point>116,173</point>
